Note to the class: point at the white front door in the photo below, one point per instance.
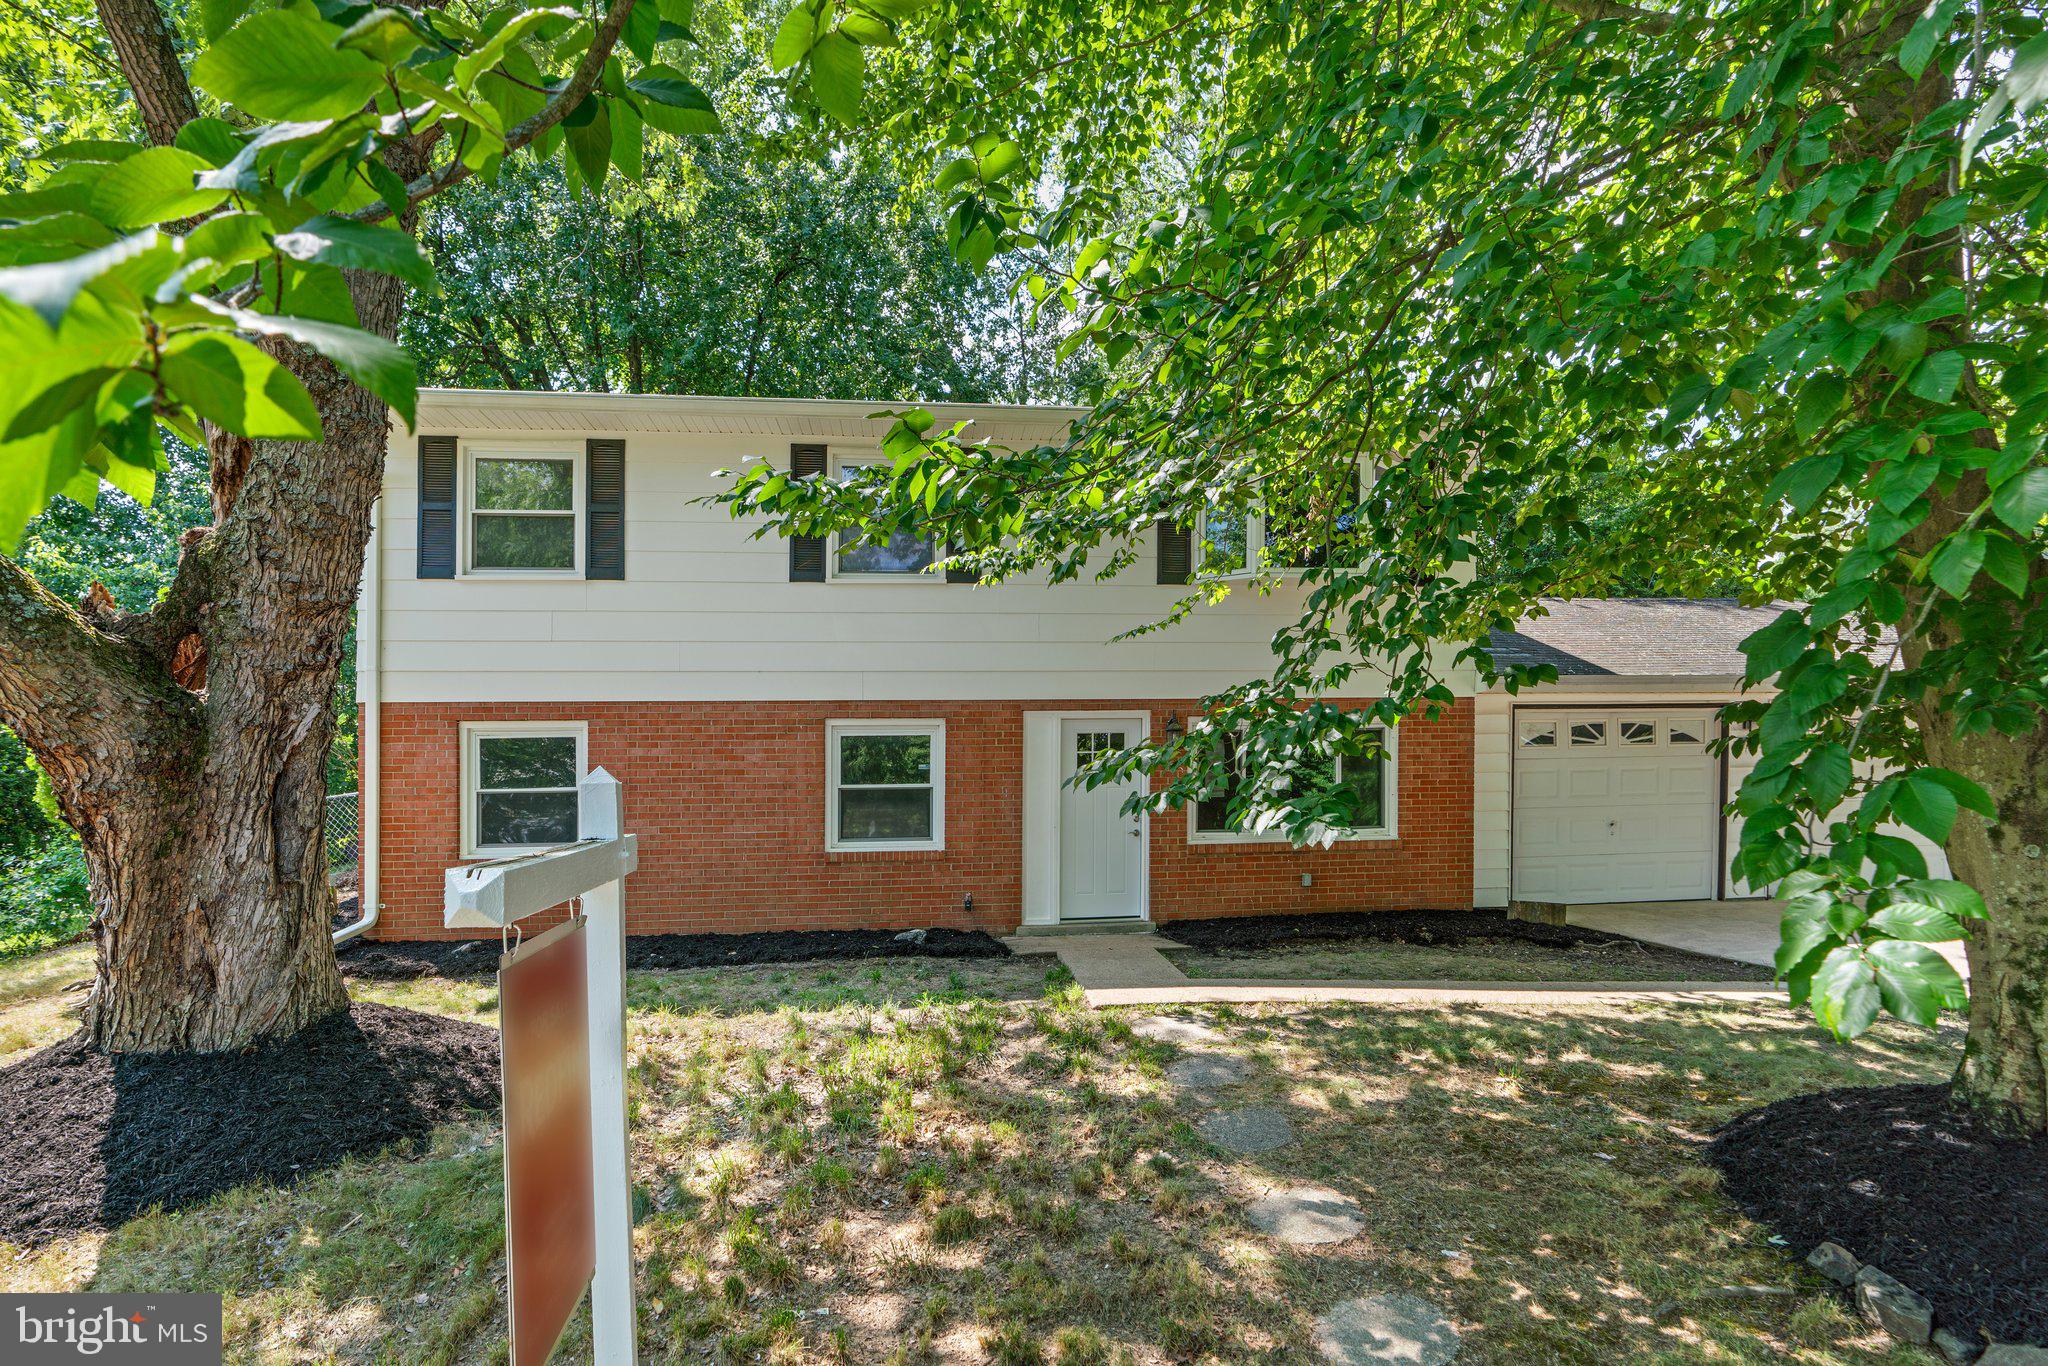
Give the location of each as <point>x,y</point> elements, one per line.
<point>1102,850</point>
<point>1614,805</point>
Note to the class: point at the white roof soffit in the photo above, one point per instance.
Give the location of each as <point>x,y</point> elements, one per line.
<point>547,411</point>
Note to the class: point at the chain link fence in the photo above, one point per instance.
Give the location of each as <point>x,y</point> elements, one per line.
<point>344,839</point>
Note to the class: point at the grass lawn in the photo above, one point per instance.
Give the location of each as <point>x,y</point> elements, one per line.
<point>923,1161</point>
<point>1492,961</point>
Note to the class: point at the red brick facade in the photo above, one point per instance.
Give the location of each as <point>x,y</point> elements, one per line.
<point>729,805</point>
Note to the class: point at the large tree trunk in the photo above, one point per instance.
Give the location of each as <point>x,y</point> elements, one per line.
<point>2004,1074</point>
<point>188,745</point>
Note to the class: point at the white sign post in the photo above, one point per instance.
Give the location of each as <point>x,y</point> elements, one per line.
<point>500,893</point>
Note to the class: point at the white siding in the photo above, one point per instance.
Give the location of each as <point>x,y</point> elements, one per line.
<point>706,613</point>
<point>1492,754</point>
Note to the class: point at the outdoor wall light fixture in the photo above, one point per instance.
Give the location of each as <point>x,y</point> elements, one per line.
<point>1173,726</point>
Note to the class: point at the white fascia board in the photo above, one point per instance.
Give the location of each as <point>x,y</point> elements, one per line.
<point>440,408</point>
<point>492,895</point>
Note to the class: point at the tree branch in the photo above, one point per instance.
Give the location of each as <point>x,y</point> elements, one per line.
<point>1594,11</point>
<point>149,59</point>
<point>560,107</point>
<point>63,682</point>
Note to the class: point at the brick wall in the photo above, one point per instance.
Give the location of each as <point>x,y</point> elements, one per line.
<point>728,801</point>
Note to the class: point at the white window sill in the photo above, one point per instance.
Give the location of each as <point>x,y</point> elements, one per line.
<point>885,847</point>
<point>1339,837</point>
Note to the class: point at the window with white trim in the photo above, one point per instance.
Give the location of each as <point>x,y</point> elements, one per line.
<point>523,510</point>
<point>519,784</point>
<point>885,785</point>
<point>1272,537</point>
<point>1370,776</point>
<point>904,554</point>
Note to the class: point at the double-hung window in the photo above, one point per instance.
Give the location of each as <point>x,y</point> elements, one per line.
<point>1280,534</point>
<point>1370,778</point>
<point>523,507</point>
<point>905,554</point>
<point>885,785</point>
<point>519,785</point>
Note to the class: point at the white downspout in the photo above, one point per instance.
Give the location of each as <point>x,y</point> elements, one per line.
<point>369,723</point>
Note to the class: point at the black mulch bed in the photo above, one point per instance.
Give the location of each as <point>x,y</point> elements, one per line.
<point>88,1141</point>
<point>406,959</point>
<point>1910,1185</point>
<point>1446,929</point>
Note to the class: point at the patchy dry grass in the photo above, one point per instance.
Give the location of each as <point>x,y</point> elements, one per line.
<point>919,1161</point>
<point>1495,961</point>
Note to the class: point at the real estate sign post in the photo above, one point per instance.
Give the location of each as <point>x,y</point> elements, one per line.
<point>591,1187</point>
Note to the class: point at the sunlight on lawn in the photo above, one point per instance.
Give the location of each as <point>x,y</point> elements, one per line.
<point>913,1160</point>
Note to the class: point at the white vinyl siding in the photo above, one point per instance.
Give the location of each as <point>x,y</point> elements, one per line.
<point>709,613</point>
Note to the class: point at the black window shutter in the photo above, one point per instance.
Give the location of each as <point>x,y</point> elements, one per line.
<point>959,573</point>
<point>1176,552</point>
<point>604,549</point>
<point>806,553</point>
<point>437,507</point>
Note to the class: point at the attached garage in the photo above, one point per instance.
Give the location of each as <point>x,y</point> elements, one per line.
<point>1614,804</point>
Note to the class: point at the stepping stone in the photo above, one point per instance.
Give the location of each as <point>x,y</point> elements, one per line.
<point>1203,1071</point>
<point>1247,1131</point>
<point>1307,1216</point>
<point>1166,1029</point>
<point>1375,1328</point>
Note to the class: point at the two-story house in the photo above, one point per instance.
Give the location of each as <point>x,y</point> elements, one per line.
<point>816,735</point>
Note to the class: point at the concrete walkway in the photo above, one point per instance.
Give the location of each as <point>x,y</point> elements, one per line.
<point>1744,930</point>
<point>1129,970</point>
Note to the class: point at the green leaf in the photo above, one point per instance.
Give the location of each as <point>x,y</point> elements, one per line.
<point>1827,773</point>
<point>387,36</point>
<point>1956,561</point>
<point>218,16</point>
<point>794,38</point>
<point>153,186</point>
<point>1958,899</point>
<point>837,71</point>
<point>67,395</point>
<point>282,64</point>
<point>1845,994</point>
<point>1819,401</point>
<point>1925,805</point>
<point>1916,921</point>
<point>1914,981</point>
<point>590,143</point>
<point>48,289</point>
<point>1936,377</point>
<point>1925,35</point>
<point>2022,501</point>
<point>230,238</point>
<point>1804,481</point>
<point>351,245</point>
<point>384,369</point>
<point>869,30</point>
<point>472,65</point>
<point>237,386</point>
<point>672,103</point>
<point>1775,647</point>
<point>1803,928</point>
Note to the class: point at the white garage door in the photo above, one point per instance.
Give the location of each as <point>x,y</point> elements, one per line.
<point>1614,805</point>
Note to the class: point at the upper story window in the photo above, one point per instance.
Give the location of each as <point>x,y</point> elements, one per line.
<point>885,785</point>
<point>523,511</point>
<point>904,554</point>
<point>1369,776</point>
<point>1280,535</point>
<point>519,784</point>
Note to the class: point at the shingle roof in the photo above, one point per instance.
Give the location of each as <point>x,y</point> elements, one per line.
<point>1634,637</point>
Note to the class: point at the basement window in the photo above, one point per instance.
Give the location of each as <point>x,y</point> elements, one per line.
<point>519,786</point>
<point>885,785</point>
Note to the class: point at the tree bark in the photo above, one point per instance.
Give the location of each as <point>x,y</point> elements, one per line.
<point>200,813</point>
<point>149,57</point>
<point>2004,1072</point>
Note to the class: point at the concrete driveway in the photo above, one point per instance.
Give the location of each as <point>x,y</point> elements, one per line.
<point>1746,930</point>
